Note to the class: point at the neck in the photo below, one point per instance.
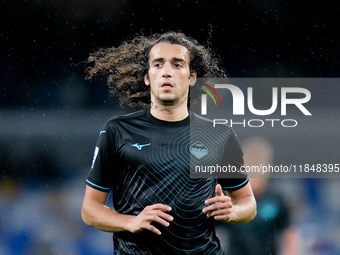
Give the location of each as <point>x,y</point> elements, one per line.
<point>170,113</point>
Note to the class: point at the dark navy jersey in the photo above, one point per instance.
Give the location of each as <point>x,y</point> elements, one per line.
<point>143,161</point>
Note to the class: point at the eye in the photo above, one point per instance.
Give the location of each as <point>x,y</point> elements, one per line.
<point>158,65</point>
<point>177,65</point>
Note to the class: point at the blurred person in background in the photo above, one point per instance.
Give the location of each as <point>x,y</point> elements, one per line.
<point>271,232</point>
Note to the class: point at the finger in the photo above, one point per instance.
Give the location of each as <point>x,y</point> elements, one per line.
<point>158,220</point>
<point>217,206</point>
<point>164,216</point>
<point>222,199</point>
<point>157,211</point>
<point>153,229</point>
<point>160,217</point>
<point>223,217</point>
<point>219,213</point>
<point>161,207</point>
<point>218,190</point>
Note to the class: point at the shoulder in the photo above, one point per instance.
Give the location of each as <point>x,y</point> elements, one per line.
<point>129,117</point>
<point>200,118</point>
<point>199,121</point>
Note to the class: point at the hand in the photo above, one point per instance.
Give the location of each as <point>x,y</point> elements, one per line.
<point>220,207</point>
<point>153,213</point>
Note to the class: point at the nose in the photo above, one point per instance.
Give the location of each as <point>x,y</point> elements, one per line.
<point>167,71</point>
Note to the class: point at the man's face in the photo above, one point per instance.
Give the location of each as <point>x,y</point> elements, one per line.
<point>169,76</point>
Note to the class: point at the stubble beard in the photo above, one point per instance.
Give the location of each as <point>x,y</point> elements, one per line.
<point>167,104</point>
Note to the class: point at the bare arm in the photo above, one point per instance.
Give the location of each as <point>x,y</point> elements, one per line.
<point>290,242</point>
<point>95,213</point>
<point>238,207</point>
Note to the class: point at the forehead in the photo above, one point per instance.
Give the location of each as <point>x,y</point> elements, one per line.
<point>169,51</point>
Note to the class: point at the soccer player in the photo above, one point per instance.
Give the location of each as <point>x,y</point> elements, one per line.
<point>144,158</point>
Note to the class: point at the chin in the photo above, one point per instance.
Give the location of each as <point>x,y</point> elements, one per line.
<point>167,99</point>
<point>168,102</point>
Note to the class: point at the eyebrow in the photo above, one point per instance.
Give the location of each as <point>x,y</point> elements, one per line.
<point>173,60</point>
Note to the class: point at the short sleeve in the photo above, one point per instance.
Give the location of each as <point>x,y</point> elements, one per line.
<point>102,164</point>
<point>233,158</point>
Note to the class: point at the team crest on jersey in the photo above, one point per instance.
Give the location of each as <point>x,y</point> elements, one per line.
<point>198,149</point>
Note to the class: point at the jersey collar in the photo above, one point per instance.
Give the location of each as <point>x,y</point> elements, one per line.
<point>164,123</point>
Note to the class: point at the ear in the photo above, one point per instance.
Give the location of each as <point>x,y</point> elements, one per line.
<point>193,78</point>
<point>146,80</point>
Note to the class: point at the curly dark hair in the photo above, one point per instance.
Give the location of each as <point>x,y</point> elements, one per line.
<point>127,65</point>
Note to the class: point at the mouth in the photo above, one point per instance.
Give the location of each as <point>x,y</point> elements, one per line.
<point>167,85</point>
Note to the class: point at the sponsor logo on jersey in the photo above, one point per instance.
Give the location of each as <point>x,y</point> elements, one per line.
<point>140,146</point>
<point>199,150</point>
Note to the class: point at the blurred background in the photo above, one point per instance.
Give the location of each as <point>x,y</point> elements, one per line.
<point>50,116</point>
